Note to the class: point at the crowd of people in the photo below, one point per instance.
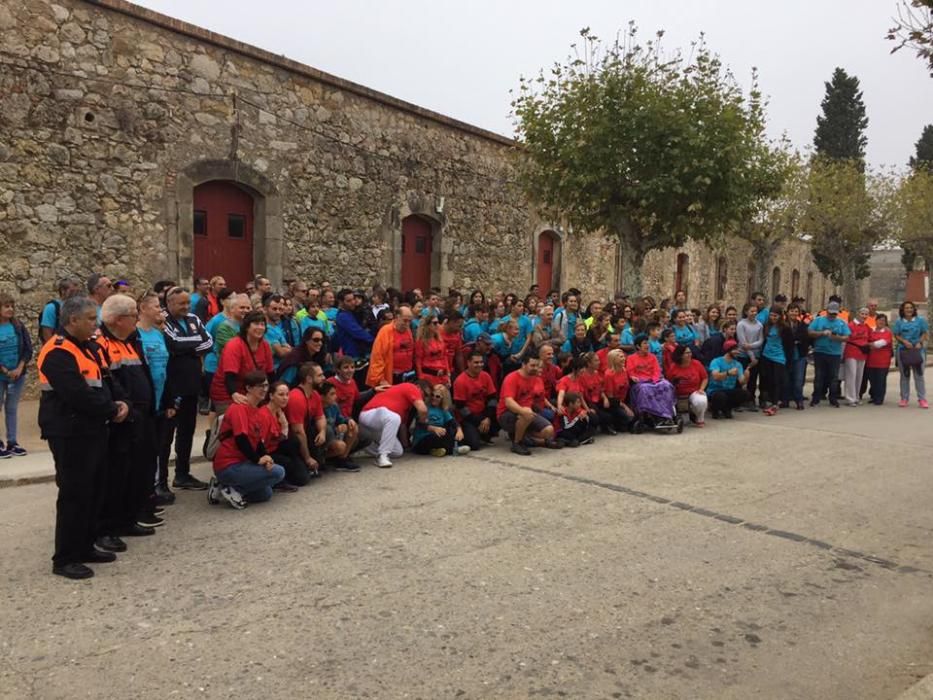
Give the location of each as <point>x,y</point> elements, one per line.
<point>300,380</point>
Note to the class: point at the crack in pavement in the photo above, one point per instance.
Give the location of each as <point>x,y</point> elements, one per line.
<point>722,517</point>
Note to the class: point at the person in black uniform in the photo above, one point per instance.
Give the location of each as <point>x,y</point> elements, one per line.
<point>127,505</point>
<point>75,410</point>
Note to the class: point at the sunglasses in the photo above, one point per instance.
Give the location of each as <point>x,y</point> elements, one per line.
<point>316,340</point>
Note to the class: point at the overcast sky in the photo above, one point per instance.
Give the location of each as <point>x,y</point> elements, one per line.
<point>462,58</point>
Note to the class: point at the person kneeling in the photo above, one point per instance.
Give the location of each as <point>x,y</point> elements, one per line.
<point>342,431</point>
<point>440,434</point>
<point>243,471</point>
<point>574,428</point>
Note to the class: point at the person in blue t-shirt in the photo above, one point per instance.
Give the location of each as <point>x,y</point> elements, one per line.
<point>829,335</point>
<point>777,348</point>
<point>48,321</point>
<point>477,324</point>
<point>439,435</point>
<point>911,332</point>
<point>273,306</point>
<point>780,303</point>
<point>15,354</point>
<point>727,379</point>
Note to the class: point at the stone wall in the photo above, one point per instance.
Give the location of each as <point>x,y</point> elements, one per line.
<point>111,114</point>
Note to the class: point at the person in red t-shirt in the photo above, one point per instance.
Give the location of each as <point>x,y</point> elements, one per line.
<point>348,393</point>
<point>452,335</point>
<point>550,372</point>
<point>615,387</point>
<point>689,378</point>
<point>522,392</point>
<point>385,414</point>
<point>571,382</point>
<point>603,353</point>
<point>244,472</point>
<point>431,353</point>
<point>879,359</point>
<point>474,397</point>
<point>278,442</point>
<point>247,352</point>
<point>305,414</point>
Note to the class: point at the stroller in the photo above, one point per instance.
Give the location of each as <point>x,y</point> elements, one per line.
<point>655,407</point>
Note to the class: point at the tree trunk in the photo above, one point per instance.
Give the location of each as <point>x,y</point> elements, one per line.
<point>763,252</point>
<point>632,262</point>
<point>850,295</point>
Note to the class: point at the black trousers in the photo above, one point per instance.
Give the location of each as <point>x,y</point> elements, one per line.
<point>433,442</point>
<point>470,427</point>
<point>752,384</point>
<point>181,430</point>
<point>773,379</point>
<point>720,401</point>
<point>80,473</point>
<point>613,416</point>
<point>581,430</point>
<point>131,460</point>
<point>826,376</point>
<point>288,456</point>
<point>878,383</point>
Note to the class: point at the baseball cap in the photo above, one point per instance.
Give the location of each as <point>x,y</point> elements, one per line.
<point>729,345</point>
<point>484,337</point>
<point>832,307</point>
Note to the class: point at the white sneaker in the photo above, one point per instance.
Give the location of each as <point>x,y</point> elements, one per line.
<point>383,461</point>
<point>234,497</point>
<point>463,450</point>
<point>213,491</point>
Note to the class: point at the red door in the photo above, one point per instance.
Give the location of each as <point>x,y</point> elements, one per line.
<point>416,254</point>
<point>223,233</point>
<point>545,263</point>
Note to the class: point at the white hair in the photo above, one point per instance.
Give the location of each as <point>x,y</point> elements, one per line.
<point>115,306</point>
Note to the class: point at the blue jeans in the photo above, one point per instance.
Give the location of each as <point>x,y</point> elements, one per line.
<point>826,376</point>
<point>10,393</point>
<point>796,374</point>
<point>252,480</point>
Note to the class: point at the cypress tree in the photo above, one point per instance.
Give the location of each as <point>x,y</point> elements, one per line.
<point>840,129</point>
<point>924,156</point>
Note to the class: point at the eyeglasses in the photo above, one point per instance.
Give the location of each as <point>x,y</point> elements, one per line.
<point>316,340</point>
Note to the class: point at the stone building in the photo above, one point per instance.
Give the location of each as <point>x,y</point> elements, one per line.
<point>144,147</point>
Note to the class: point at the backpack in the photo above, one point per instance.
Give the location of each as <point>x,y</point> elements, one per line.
<point>58,315</point>
<point>215,437</point>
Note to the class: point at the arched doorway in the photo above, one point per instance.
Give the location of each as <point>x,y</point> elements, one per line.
<point>223,232</point>
<point>548,262</point>
<point>775,282</point>
<point>417,253</point>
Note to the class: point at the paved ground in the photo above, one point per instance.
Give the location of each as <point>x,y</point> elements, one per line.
<point>784,557</point>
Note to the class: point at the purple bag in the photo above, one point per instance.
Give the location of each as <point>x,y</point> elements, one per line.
<point>655,398</point>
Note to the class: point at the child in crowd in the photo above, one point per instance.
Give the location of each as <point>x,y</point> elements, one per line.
<point>341,431</point>
<point>440,434</point>
<point>573,421</point>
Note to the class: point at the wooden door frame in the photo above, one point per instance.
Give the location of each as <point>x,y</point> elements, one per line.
<point>556,257</point>
<point>423,206</point>
<point>268,244</point>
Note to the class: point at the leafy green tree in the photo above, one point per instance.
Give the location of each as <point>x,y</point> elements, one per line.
<point>840,129</point>
<point>653,149</point>
<point>924,146</point>
<point>913,29</point>
<point>780,217</point>
<point>848,211</point>
<point>840,211</point>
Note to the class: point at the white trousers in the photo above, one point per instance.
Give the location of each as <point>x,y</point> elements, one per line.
<point>852,376</point>
<point>384,423</point>
<point>698,403</point>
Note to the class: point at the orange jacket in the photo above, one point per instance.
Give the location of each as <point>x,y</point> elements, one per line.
<point>380,359</point>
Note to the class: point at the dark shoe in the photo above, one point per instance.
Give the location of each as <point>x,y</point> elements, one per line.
<point>16,450</point>
<point>345,465</point>
<point>609,430</point>
<point>784,404</point>
<point>149,520</point>
<point>163,495</point>
<point>588,441</point>
<point>99,556</point>
<point>158,510</point>
<point>188,482</point>
<point>73,571</point>
<point>717,415</point>
<point>520,449</point>
<point>572,443</point>
<point>800,405</point>
<point>814,402</point>
<point>137,531</point>
<point>284,487</point>
<point>204,405</point>
<point>557,444</point>
<point>109,543</point>
<point>727,414</point>
<point>834,404</point>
